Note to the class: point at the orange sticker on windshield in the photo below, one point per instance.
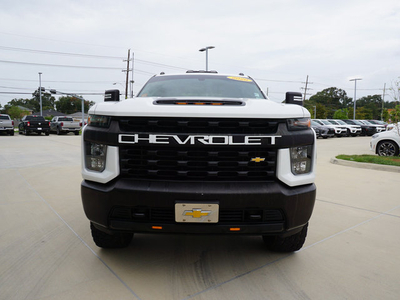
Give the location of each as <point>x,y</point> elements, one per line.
<point>240,79</point>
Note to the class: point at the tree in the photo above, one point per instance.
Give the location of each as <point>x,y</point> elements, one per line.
<point>16,113</point>
<point>70,105</point>
<point>341,114</point>
<point>47,101</point>
<point>316,110</point>
<point>332,98</point>
<point>395,90</point>
<point>385,115</point>
<point>364,113</point>
<point>19,102</point>
<point>395,114</point>
<point>34,102</point>
<point>373,104</point>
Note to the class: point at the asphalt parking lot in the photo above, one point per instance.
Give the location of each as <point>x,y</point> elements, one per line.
<point>352,250</point>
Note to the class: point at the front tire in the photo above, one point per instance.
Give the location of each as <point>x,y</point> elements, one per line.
<point>105,240</point>
<point>387,148</point>
<point>286,244</point>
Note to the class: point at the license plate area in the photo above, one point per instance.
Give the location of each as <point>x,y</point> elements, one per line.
<point>196,212</point>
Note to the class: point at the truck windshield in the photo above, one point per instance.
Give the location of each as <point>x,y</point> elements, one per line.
<point>201,86</point>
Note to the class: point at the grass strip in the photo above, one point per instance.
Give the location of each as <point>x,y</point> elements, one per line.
<point>372,159</point>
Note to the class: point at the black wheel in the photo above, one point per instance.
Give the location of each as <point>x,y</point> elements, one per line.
<point>58,131</point>
<point>76,132</point>
<point>47,133</point>
<point>387,148</point>
<point>26,132</point>
<point>12,132</point>
<point>105,240</point>
<point>286,244</point>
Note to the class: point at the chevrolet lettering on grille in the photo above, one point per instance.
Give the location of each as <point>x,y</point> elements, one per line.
<point>196,139</point>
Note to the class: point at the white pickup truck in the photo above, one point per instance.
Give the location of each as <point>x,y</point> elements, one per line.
<point>199,153</point>
<point>62,125</point>
<point>6,124</point>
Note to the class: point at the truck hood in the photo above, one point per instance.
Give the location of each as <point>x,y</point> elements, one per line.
<point>251,108</point>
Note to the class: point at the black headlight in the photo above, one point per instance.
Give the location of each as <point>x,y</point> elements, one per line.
<point>299,123</point>
<point>99,121</point>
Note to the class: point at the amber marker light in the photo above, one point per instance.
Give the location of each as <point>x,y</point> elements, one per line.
<point>234,229</point>
<point>157,227</point>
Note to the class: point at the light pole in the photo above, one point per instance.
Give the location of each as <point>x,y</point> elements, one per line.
<point>76,96</point>
<point>206,49</point>
<point>355,90</point>
<point>40,92</point>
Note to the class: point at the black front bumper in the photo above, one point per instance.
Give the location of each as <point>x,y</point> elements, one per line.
<point>148,206</point>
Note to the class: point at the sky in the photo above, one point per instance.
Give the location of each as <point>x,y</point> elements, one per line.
<point>81,47</point>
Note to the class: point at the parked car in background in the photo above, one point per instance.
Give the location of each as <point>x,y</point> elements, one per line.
<point>379,128</point>
<point>6,124</point>
<point>339,130</point>
<point>386,143</point>
<point>322,130</point>
<point>62,125</point>
<point>378,122</point>
<point>33,123</point>
<point>352,130</point>
<point>368,130</point>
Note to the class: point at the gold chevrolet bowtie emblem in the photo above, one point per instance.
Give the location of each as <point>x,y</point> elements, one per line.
<point>258,159</point>
<point>197,213</point>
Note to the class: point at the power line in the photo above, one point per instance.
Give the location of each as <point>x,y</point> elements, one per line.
<point>14,88</point>
<point>15,93</point>
<point>54,65</point>
<point>54,40</point>
<point>88,55</point>
<point>25,93</point>
<point>70,66</point>
<point>59,53</point>
<point>57,81</point>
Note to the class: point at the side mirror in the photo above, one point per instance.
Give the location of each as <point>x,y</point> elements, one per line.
<point>294,98</point>
<point>111,95</point>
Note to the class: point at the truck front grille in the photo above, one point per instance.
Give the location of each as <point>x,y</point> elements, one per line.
<point>185,163</point>
<point>196,125</point>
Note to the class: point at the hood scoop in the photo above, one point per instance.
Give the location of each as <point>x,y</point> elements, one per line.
<point>219,102</point>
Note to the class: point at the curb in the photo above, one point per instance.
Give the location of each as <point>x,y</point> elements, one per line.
<point>354,164</point>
